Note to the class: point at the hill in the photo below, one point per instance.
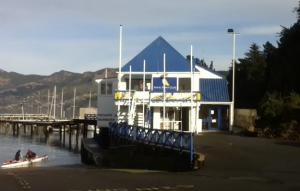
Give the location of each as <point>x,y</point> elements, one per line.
<point>31,91</point>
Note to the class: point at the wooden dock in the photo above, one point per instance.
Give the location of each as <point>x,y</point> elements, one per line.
<point>80,125</point>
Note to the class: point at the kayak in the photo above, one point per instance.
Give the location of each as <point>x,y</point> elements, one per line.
<point>24,161</point>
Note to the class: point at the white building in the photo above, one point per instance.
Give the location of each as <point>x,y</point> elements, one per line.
<point>131,102</point>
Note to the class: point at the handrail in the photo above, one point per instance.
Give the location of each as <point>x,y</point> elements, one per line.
<point>180,140</point>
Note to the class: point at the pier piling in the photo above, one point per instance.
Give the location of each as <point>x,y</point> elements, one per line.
<point>31,130</point>
<point>64,141</point>
<point>14,129</point>
<point>70,137</point>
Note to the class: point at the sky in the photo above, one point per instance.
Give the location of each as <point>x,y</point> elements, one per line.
<point>43,36</point>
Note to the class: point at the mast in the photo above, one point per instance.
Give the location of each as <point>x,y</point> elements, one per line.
<point>48,103</point>
<point>54,102</point>
<point>62,102</point>
<point>74,103</point>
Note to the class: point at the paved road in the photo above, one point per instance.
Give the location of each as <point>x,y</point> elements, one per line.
<point>250,159</point>
<point>232,163</point>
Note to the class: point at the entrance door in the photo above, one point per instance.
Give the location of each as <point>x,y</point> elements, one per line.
<point>214,122</point>
<point>210,116</point>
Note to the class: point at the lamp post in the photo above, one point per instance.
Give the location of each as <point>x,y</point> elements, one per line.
<point>231,32</point>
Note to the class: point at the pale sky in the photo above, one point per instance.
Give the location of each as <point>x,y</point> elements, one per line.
<point>46,36</point>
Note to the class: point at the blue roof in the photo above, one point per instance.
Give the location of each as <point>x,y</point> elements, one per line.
<point>153,55</point>
<point>214,90</point>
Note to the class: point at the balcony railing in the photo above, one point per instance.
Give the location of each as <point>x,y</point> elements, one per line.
<point>176,96</point>
<point>158,96</point>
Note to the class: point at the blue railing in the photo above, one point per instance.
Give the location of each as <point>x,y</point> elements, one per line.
<point>183,141</point>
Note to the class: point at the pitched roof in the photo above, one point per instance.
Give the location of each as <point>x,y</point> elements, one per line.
<point>214,90</point>
<point>153,55</point>
<point>197,61</point>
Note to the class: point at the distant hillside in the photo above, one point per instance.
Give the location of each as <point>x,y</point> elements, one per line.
<point>17,89</point>
<point>30,90</point>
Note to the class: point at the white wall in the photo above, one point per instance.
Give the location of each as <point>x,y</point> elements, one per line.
<point>107,110</point>
<point>156,118</point>
<point>206,74</point>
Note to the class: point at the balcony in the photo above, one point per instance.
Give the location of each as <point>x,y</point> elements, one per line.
<point>122,97</point>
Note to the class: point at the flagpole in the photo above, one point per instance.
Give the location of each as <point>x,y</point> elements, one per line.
<point>129,100</point>
<point>144,76</point>
<point>164,94</point>
<point>191,118</point>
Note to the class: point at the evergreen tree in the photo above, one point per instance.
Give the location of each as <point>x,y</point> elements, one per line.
<point>211,66</point>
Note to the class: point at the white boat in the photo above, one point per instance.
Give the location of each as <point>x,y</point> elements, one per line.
<point>24,161</point>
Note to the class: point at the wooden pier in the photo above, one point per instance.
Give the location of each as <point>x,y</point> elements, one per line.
<point>80,125</point>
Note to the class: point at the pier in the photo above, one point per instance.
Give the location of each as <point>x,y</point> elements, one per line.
<point>62,126</point>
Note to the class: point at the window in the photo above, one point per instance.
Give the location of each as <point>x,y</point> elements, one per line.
<point>137,84</point>
<point>184,84</point>
<point>103,88</point>
<point>109,88</point>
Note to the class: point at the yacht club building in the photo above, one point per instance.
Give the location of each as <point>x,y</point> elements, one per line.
<point>160,89</point>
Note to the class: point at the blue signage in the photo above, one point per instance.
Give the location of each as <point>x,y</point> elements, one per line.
<point>170,84</point>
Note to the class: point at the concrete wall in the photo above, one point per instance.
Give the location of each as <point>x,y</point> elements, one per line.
<point>244,118</point>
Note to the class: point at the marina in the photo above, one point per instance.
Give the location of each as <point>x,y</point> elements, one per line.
<point>56,145</point>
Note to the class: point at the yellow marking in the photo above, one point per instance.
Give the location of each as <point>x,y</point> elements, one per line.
<point>137,171</point>
<point>153,188</point>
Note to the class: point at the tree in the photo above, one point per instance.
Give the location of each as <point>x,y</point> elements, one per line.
<point>211,66</point>
<point>249,78</point>
<point>203,64</point>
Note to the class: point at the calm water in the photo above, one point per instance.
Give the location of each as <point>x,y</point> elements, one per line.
<point>58,153</point>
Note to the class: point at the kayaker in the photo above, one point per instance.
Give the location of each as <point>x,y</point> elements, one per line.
<point>18,155</point>
<point>30,154</point>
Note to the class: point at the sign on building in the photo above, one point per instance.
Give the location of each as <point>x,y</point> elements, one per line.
<point>170,84</point>
<point>90,116</point>
<point>106,117</point>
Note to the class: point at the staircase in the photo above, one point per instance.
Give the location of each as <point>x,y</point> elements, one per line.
<point>132,112</point>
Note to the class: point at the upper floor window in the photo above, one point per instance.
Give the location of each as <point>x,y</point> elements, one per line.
<point>106,88</point>
<point>137,84</point>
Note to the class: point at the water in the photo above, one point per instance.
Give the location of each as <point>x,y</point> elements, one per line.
<point>58,153</point>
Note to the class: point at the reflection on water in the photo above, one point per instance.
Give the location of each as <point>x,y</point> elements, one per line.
<point>55,146</point>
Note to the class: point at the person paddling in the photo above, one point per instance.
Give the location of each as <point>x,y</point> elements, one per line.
<point>30,154</point>
<point>18,155</point>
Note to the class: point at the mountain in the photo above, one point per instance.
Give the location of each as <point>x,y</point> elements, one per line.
<point>31,91</point>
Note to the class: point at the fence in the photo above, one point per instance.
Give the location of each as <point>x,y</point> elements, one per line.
<point>183,141</point>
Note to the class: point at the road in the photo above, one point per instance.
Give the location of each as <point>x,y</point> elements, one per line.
<point>232,163</point>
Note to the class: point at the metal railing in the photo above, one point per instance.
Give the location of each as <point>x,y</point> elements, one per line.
<point>183,141</point>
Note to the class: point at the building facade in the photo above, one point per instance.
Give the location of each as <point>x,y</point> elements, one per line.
<point>160,89</point>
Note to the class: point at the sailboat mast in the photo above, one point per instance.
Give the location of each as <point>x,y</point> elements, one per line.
<point>74,103</point>
<point>62,102</point>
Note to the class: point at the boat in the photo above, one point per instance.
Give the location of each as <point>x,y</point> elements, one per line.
<point>24,161</point>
